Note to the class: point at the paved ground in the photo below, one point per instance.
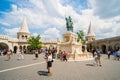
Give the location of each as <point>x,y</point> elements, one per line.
<point>30,69</point>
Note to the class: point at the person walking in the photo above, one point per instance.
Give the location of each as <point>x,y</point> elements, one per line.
<point>98,57</point>
<point>8,55</point>
<point>118,54</point>
<point>95,57</point>
<point>20,55</point>
<point>64,56</point>
<point>109,53</point>
<point>60,55</point>
<point>36,54</point>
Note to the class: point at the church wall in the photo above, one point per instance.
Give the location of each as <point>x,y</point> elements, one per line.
<point>108,43</point>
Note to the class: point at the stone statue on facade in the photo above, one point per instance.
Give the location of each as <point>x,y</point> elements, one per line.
<point>69,23</point>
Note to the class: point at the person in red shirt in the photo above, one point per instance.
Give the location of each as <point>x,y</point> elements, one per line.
<point>64,56</point>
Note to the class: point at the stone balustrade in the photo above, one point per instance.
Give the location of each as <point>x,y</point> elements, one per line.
<point>3,37</point>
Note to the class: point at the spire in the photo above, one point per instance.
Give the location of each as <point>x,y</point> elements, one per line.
<point>90,31</point>
<point>24,27</point>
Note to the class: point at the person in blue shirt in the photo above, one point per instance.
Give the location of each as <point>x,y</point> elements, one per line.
<point>98,57</point>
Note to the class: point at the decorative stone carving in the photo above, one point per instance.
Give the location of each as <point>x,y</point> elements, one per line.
<point>72,47</point>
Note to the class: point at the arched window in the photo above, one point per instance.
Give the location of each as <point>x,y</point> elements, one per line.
<point>25,37</point>
<point>22,36</point>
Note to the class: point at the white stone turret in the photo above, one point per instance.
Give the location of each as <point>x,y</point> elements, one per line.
<point>23,33</point>
<point>24,27</point>
<point>91,35</point>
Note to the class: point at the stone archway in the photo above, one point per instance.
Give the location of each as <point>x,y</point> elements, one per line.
<point>4,47</point>
<point>117,46</point>
<point>15,49</point>
<point>24,49</point>
<point>83,48</point>
<point>20,47</point>
<point>103,48</point>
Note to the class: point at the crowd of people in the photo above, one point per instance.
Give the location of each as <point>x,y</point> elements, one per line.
<point>97,55</point>
<point>51,54</point>
<point>62,55</point>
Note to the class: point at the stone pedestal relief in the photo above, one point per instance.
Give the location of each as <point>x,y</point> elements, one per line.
<point>72,47</point>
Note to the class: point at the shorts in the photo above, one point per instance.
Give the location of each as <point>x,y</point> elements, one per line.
<point>36,55</point>
<point>49,64</point>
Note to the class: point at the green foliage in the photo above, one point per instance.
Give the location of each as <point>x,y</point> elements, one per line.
<point>91,46</point>
<point>34,42</point>
<point>81,36</point>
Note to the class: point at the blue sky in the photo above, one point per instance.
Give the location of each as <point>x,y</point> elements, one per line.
<point>47,17</point>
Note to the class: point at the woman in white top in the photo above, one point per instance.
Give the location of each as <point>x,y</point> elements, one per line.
<point>49,62</point>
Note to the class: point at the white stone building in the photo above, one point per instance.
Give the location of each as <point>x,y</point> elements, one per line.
<point>9,43</point>
<point>112,43</point>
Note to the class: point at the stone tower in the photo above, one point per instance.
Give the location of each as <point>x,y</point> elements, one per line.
<point>91,35</point>
<point>23,35</point>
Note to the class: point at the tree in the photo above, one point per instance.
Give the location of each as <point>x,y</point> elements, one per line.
<point>34,42</point>
<point>81,36</point>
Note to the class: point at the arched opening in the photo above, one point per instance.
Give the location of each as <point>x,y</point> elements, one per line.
<point>117,46</point>
<point>103,47</point>
<point>20,47</point>
<point>83,48</point>
<point>24,49</point>
<point>15,49</point>
<point>29,50</point>
<point>25,37</point>
<point>22,36</point>
<point>3,48</point>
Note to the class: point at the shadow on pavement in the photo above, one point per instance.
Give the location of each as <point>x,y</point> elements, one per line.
<point>89,64</point>
<point>42,73</point>
<point>6,60</point>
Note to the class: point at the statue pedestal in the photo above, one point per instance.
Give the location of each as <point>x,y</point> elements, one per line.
<point>72,47</point>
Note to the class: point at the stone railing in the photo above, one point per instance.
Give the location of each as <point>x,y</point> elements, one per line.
<point>49,41</point>
<point>4,37</point>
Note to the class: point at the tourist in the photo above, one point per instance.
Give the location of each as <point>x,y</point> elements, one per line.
<point>20,55</point>
<point>118,54</point>
<point>49,62</point>
<point>61,55</point>
<point>115,54</point>
<point>109,53</point>
<point>95,57</point>
<point>53,53</point>
<point>9,55</point>
<point>1,52</point>
<point>98,57</point>
<point>36,54</point>
<point>64,56</point>
<point>93,51</point>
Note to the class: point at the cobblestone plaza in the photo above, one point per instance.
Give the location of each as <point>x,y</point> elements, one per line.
<point>30,69</point>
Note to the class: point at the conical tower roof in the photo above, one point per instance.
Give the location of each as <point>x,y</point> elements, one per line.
<point>90,31</point>
<point>24,27</point>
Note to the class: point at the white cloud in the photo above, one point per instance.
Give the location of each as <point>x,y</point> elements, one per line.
<point>14,7</point>
<point>50,15</point>
<point>34,34</point>
<point>51,33</point>
<point>105,9</point>
<point>12,32</point>
<point>4,23</point>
